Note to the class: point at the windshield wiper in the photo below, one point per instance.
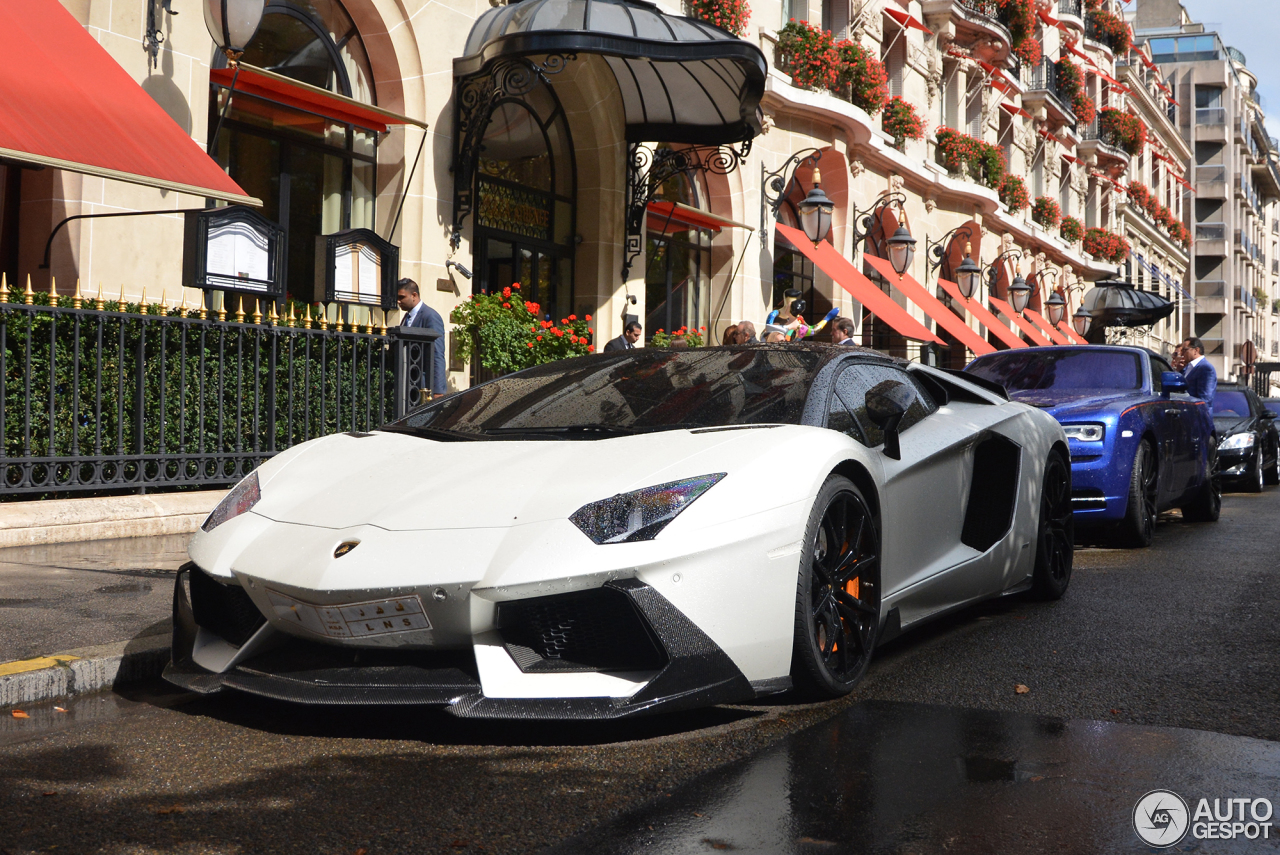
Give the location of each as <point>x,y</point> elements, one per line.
<point>568,430</point>
<point>434,433</point>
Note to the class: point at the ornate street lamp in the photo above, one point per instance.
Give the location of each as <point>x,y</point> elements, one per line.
<point>815,211</point>
<point>232,24</point>
<point>1082,320</point>
<point>1019,293</point>
<point>1055,308</point>
<point>968,274</point>
<point>902,249</point>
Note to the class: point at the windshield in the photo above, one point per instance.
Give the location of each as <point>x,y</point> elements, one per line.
<point>1273,406</point>
<point>643,390</point>
<point>1230,402</point>
<point>1062,370</point>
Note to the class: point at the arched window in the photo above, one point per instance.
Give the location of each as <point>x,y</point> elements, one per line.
<point>524,191</point>
<point>315,176</point>
<point>677,281</point>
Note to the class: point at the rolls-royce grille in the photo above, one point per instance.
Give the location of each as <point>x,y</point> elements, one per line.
<point>224,610</point>
<point>595,630</point>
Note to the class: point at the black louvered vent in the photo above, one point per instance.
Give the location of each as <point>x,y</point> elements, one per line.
<point>224,610</point>
<point>595,630</point>
<point>993,494</point>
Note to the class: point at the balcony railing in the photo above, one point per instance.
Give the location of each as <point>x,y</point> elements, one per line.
<point>1211,116</point>
<point>1211,231</point>
<point>1071,7</point>
<point>1246,299</point>
<point>1211,174</point>
<point>985,8</point>
<point>1210,288</point>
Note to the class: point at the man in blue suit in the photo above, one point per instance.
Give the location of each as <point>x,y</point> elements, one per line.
<point>1202,380</point>
<point>419,314</point>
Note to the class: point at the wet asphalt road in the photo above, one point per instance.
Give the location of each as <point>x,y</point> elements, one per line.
<point>1182,635</point>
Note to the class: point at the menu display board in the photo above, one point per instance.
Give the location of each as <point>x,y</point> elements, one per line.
<point>356,266</point>
<point>233,249</point>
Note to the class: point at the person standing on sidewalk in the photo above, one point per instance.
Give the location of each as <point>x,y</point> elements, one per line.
<point>419,314</point>
<point>1202,379</point>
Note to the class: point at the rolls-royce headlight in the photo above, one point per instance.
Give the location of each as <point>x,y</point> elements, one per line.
<point>1237,441</point>
<point>1085,433</point>
<point>242,497</point>
<point>640,514</point>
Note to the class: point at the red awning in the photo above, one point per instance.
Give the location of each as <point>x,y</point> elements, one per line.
<point>980,312</point>
<point>1110,79</point>
<point>1071,158</point>
<point>906,20</point>
<point>1028,330</point>
<point>1073,49</point>
<point>1039,320</point>
<point>1183,182</point>
<point>1047,18</point>
<point>1071,334</point>
<point>662,213</point>
<point>1018,111</point>
<point>931,306</point>
<point>65,103</point>
<point>863,289</point>
<point>311,99</point>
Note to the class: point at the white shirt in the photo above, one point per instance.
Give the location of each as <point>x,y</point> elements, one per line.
<point>1193,363</point>
<point>409,316</point>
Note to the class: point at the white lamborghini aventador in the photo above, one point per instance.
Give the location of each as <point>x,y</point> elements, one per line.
<point>626,533</point>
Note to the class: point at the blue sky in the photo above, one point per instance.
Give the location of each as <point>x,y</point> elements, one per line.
<point>1253,27</point>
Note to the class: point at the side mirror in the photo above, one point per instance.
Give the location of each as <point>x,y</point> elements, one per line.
<point>1172,382</point>
<point>1267,414</point>
<point>887,402</point>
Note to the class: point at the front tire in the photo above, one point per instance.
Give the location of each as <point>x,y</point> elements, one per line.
<point>838,593</point>
<point>1255,483</point>
<point>1138,527</point>
<point>1055,541</point>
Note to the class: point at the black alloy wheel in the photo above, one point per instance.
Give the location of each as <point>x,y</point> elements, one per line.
<point>1272,475</point>
<point>838,593</point>
<point>1254,484</point>
<point>1139,525</point>
<point>1055,541</point>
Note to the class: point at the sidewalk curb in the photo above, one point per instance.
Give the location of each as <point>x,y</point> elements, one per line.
<point>74,520</point>
<point>88,669</point>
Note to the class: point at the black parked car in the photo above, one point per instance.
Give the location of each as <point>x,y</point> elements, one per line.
<point>1248,440</point>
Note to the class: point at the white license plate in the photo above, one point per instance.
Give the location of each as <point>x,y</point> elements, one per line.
<point>353,620</point>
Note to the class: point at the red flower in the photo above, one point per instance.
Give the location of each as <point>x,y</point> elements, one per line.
<point>573,317</point>
<point>515,285</point>
<point>591,331</point>
<point>559,333</point>
<point>539,338</point>
<point>529,343</point>
<point>506,292</point>
<point>573,338</point>
<point>588,317</point>
<point>506,305</point>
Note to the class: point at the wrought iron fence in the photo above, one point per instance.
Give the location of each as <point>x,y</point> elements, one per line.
<point>106,397</point>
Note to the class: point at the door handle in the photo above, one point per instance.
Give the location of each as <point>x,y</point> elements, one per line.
<point>1173,411</point>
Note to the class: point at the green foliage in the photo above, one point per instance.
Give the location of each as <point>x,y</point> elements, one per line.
<point>506,333</point>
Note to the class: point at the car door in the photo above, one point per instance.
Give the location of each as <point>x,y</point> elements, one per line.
<point>924,495</point>
<point>1178,437</point>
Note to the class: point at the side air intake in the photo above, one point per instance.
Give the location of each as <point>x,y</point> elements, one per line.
<point>595,630</point>
<point>224,610</point>
<point>993,494</point>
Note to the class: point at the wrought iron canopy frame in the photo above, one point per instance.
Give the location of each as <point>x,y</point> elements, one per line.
<point>936,250</point>
<point>474,99</point>
<point>868,217</point>
<point>649,167</point>
<point>773,180</point>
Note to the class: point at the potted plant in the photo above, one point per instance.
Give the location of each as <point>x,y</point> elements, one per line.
<point>1110,29</point>
<point>808,54</point>
<point>1013,192</point>
<point>506,333</point>
<point>1071,229</point>
<point>1105,245</point>
<point>861,77</point>
<point>1123,129</point>
<point>730,15</point>
<point>1020,18</point>
<point>692,337</point>
<point>1045,212</point>
<point>902,122</point>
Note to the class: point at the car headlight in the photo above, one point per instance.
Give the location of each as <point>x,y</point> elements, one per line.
<point>640,514</point>
<point>1237,441</point>
<point>241,498</point>
<point>1085,433</point>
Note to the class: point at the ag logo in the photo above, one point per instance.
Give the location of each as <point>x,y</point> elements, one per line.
<point>345,547</point>
<point>1161,818</point>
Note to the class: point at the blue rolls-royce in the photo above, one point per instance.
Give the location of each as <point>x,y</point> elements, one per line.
<point>1139,444</point>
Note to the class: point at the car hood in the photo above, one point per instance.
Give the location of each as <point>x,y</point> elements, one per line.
<point>401,483</point>
<point>1069,402</point>
<point>1227,425</point>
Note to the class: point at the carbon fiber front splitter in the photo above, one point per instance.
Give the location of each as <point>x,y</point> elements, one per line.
<point>697,673</point>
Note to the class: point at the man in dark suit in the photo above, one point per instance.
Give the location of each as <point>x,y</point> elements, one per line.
<point>626,341</point>
<point>1202,380</point>
<point>842,331</point>
<point>419,314</point>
